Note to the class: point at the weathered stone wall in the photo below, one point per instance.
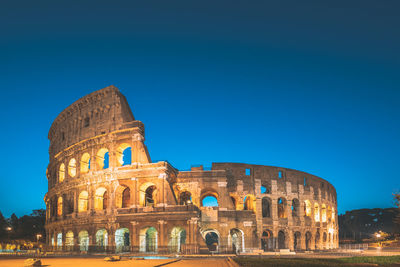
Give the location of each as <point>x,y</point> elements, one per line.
<point>100,112</point>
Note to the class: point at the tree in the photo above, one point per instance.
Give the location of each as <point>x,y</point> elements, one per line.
<point>3,226</point>
<point>397,201</point>
<point>28,227</point>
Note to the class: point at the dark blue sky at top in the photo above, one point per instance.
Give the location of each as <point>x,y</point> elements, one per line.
<point>308,85</point>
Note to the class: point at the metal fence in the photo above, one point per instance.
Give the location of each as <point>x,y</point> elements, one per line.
<point>353,246</point>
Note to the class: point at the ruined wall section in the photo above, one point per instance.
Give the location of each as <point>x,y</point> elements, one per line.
<point>98,113</point>
<point>260,175</point>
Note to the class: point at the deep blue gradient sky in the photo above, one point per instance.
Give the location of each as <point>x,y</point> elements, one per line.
<point>309,85</point>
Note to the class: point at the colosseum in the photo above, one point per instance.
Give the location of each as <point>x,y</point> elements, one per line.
<point>106,195</point>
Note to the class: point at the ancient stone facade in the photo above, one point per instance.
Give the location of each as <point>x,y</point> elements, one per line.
<point>105,194</point>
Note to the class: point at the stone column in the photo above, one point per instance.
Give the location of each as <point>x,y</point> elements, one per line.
<point>289,239</point>
<point>275,239</point>
<point>91,199</point>
<point>303,241</point>
<point>111,197</point>
<point>162,247</point>
<point>134,189</point>
<point>111,238</point>
<point>76,198</point>
<point>76,241</point>
<point>192,236</point>
<point>134,237</point>
<point>92,239</point>
<point>161,196</point>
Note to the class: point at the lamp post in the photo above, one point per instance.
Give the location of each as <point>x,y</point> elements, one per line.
<point>8,229</point>
<point>378,236</point>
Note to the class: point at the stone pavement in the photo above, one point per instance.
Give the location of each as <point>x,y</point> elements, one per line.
<point>99,262</point>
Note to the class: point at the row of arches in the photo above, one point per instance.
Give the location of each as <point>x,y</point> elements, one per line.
<point>323,214</point>
<point>327,213</point>
<point>102,160</point>
<point>270,243</point>
<point>236,240</point>
<point>148,240</point>
<point>101,199</point>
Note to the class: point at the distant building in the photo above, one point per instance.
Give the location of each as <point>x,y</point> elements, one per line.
<point>105,193</point>
<point>364,223</point>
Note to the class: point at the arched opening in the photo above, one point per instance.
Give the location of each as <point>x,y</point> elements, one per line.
<point>307,208</point>
<point>68,204</point>
<point>317,238</point>
<point>126,198</point>
<point>324,240</point>
<point>124,155</point>
<point>308,241</point>
<point>122,240</point>
<point>60,206</point>
<point>72,167</point>
<point>297,241</point>
<point>185,198</point>
<point>59,241</point>
<point>263,190</point>
<point>83,201</point>
<point>212,240</point>
<point>249,203</point>
<point>102,158</point>
<point>281,207</point>
<point>267,241</point>
<point>85,163</point>
<point>329,239</point>
<point>100,199</point>
<point>323,213</point>
<point>209,201</point>
<point>61,173</point>
<point>237,240</point>
<point>316,212</point>
<point>83,239</point>
<point>177,238</point>
<point>295,207</point>
<point>148,240</point>
<point>233,202</point>
<point>69,241</point>
<point>149,196</point>
<point>329,214</point>
<point>101,239</point>
<point>281,240</point>
<point>333,215</point>
<point>266,207</point>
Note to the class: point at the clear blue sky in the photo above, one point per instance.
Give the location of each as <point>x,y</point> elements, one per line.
<point>309,85</point>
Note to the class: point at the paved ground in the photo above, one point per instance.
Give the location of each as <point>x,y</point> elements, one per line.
<point>197,261</point>
<point>98,262</point>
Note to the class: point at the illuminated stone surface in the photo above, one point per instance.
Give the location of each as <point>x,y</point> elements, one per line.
<point>105,193</point>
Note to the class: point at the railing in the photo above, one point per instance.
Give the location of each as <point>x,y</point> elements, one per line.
<point>157,209</point>
<point>354,246</point>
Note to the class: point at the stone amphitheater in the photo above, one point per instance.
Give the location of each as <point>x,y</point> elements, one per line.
<point>106,195</point>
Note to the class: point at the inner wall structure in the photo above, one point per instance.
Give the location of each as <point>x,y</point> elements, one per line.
<point>106,195</point>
